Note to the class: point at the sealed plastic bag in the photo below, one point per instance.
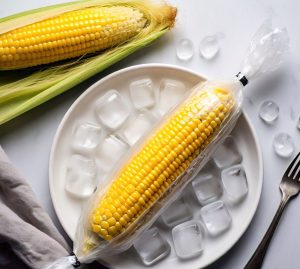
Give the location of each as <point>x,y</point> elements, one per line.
<point>159,168</point>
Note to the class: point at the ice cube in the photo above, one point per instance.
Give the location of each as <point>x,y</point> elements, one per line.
<point>269,111</point>
<point>151,246</point>
<point>209,47</point>
<point>110,152</point>
<point>112,109</point>
<point>188,239</point>
<point>171,93</point>
<point>86,136</point>
<point>81,176</point>
<point>235,183</point>
<point>176,213</point>
<point>137,127</point>
<point>227,153</point>
<point>142,93</point>
<point>184,49</point>
<point>207,184</point>
<point>283,145</point>
<point>216,218</point>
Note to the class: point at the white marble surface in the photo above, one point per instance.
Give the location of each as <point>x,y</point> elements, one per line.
<point>27,140</point>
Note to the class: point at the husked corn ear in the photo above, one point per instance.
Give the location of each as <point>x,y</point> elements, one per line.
<point>71,34</point>
<point>162,159</point>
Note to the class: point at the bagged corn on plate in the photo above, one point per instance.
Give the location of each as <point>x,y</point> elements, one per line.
<point>164,162</point>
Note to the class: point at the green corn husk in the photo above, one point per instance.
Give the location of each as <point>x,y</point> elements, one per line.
<point>20,93</point>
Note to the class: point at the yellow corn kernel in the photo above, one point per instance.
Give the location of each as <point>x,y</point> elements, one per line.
<point>71,34</point>
<point>163,158</point>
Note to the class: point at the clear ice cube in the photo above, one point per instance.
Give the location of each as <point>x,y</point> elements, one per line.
<point>151,246</point>
<point>269,111</point>
<point>188,239</point>
<point>81,176</point>
<point>216,218</point>
<point>235,183</point>
<point>171,93</point>
<point>112,109</point>
<point>209,47</point>
<point>184,49</point>
<point>283,145</point>
<point>206,184</point>
<point>227,153</point>
<point>86,136</point>
<point>176,213</point>
<point>110,152</point>
<point>137,127</point>
<point>142,93</point>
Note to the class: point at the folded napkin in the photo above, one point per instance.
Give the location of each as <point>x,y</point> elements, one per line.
<point>28,237</point>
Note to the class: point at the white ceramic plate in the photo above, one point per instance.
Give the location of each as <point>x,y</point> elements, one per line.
<point>68,209</point>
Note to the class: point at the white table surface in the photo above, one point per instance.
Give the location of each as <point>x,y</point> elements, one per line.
<point>27,140</point>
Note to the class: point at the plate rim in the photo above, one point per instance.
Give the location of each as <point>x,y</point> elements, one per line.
<point>143,66</point>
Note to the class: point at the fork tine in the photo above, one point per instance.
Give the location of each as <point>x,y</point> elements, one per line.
<point>288,170</point>
<point>293,173</point>
<point>298,176</point>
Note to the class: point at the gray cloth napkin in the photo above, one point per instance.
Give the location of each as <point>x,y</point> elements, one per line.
<point>28,238</point>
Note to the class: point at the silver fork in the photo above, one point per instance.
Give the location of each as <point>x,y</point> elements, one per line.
<point>290,187</point>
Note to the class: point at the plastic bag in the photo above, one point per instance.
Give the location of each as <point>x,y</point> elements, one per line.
<point>214,108</point>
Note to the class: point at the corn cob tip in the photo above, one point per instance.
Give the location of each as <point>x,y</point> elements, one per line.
<point>170,13</point>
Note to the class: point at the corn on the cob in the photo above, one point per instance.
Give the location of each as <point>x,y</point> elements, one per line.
<point>138,23</point>
<point>69,35</point>
<point>162,159</point>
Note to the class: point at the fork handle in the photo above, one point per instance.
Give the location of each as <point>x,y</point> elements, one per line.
<point>257,258</point>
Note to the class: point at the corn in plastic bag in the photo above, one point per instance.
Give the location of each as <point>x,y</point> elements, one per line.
<point>166,160</point>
